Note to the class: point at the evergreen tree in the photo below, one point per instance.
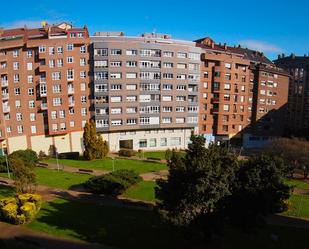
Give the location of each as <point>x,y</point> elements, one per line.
<point>94,145</point>
<point>195,183</point>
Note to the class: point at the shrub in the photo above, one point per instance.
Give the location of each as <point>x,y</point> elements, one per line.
<point>127,152</point>
<point>69,155</point>
<point>42,155</point>
<point>21,209</point>
<point>29,157</point>
<point>114,183</point>
<point>3,167</point>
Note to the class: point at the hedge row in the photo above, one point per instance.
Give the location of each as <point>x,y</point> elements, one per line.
<point>114,183</point>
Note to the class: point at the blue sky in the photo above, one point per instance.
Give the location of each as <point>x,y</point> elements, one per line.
<point>272,26</point>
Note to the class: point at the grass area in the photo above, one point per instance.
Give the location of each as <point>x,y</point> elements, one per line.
<point>55,179</point>
<point>299,206</point>
<point>142,191</point>
<point>155,154</point>
<point>298,183</point>
<point>6,191</point>
<point>130,228</point>
<point>107,164</point>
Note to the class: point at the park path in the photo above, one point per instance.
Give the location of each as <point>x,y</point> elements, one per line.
<point>148,176</point>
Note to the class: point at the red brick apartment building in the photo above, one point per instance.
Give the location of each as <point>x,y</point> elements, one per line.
<point>45,87</point>
<point>144,92</point>
<point>298,107</point>
<point>242,95</point>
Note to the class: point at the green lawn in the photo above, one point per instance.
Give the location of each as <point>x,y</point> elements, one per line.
<point>55,179</point>
<point>107,164</point>
<point>299,206</point>
<point>132,228</point>
<point>155,154</point>
<point>142,191</point>
<point>298,183</point>
<point>6,191</point>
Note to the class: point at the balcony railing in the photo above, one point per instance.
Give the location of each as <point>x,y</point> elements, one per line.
<point>70,90</point>
<point>6,109</point>
<point>71,103</point>
<point>5,96</point>
<point>44,106</point>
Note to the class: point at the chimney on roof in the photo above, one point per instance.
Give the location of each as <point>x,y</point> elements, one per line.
<point>239,46</point>
<point>225,46</point>
<point>279,56</point>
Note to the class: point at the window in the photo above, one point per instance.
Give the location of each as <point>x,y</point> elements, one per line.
<point>101,52</point>
<point>82,62</point>
<point>116,110</point>
<point>82,49</point>
<point>33,129</point>
<point>57,101</point>
<point>167,98</point>
<point>83,111</point>
<point>17,91</point>
<point>100,88</point>
<point>82,74</point>
<point>163,141</point>
<point>56,88</point>
<point>83,87</point>
<point>180,98</point>
<point>131,110</point>
<point>101,76</point>
<point>168,54</point>
<point>180,120</point>
<point>70,47</point>
<point>181,55</point>
<point>15,65</point>
<point>166,120</point>
<point>167,76</point>
<point>194,56</point>
<point>30,79</point>
<point>143,143</point>
<point>101,123</point>
<point>131,121</point>
<point>61,114</point>
<point>20,129</point>
<point>83,99</point>
<point>51,63</point>
<point>167,64</point>
<point>16,78</point>
<point>72,123</point>
<point>180,109</point>
<point>226,107</point>
<point>167,87</point>
<point>131,75</point>
<point>15,53</point>
<point>51,50</point>
<point>131,64</point>
<point>131,52</point>
<point>174,141</point>
<point>152,142</point>
<point>227,86</point>
<point>29,66</point>
<point>30,91</point>
<point>31,104</point>
<point>56,75</point>
<point>32,116</point>
<point>192,120</point>
<point>131,87</point>
<point>115,52</point>
<point>19,116</point>
<point>131,98</point>
<point>116,99</point>
<point>167,109</point>
<point>150,52</point>
<point>42,49</point>
<point>101,63</point>
<point>228,65</point>
<point>115,64</point>
<point>70,59</point>
<point>181,76</point>
<point>115,75</point>
<point>181,87</point>
<point>115,87</point>
<point>59,50</point>
<point>29,53</point>
<point>17,104</point>
<point>116,122</point>
<point>70,74</point>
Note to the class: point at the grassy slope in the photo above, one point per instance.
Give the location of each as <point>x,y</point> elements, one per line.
<point>107,164</point>
<point>297,183</point>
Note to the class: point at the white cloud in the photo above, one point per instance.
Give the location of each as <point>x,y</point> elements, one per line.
<point>261,46</point>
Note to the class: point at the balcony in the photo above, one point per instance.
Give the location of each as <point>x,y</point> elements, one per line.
<point>43,94</point>
<point>6,109</point>
<point>70,90</point>
<point>5,96</point>
<point>4,83</point>
<point>215,100</point>
<point>216,89</point>
<point>42,80</point>
<point>71,103</point>
<point>214,110</point>
<point>43,106</point>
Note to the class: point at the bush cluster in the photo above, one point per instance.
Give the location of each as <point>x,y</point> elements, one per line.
<point>69,155</point>
<point>114,183</point>
<point>20,209</point>
<point>127,152</point>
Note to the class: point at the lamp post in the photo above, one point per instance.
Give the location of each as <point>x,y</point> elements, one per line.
<point>7,165</point>
<point>58,167</point>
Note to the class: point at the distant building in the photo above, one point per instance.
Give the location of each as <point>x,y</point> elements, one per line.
<point>298,107</point>
<point>243,95</point>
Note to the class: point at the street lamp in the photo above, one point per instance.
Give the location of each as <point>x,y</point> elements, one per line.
<point>58,167</point>
<point>7,165</point>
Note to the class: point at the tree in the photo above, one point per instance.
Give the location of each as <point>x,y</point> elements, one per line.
<point>258,191</point>
<point>196,184</point>
<point>94,145</point>
<point>23,175</point>
<point>294,152</point>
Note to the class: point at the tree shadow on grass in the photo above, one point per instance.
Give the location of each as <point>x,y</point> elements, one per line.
<point>108,221</point>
